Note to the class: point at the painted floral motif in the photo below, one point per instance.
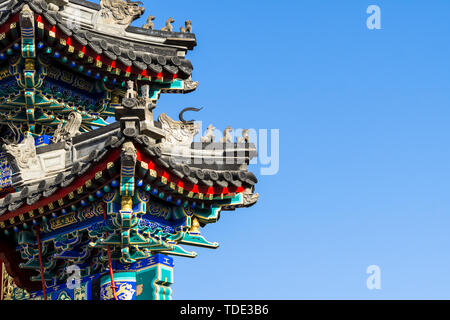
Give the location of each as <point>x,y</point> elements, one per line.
<point>125,291</point>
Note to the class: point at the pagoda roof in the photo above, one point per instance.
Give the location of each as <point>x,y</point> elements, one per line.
<point>129,52</point>
<point>71,173</point>
<point>66,67</point>
<point>205,173</point>
<point>131,34</point>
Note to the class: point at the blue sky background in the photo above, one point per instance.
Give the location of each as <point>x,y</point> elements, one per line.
<point>364,146</point>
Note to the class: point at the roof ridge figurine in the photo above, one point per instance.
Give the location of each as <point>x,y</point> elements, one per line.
<point>168,27</point>
<point>188,27</point>
<point>227,137</point>
<point>245,137</point>
<point>149,24</point>
<point>120,12</point>
<point>209,135</point>
<point>24,153</point>
<point>69,129</point>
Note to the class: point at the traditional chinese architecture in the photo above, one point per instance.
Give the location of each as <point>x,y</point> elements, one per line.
<point>97,195</point>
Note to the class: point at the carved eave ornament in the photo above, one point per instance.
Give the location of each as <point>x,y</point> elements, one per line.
<point>177,133</point>
<point>24,153</point>
<point>190,85</point>
<point>118,12</point>
<point>249,198</point>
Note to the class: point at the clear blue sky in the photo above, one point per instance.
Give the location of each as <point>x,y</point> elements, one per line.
<point>364,146</point>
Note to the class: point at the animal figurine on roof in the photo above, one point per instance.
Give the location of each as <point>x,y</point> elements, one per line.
<point>209,135</point>
<point>69,129</point>
<point>149,25</point>
<point>245,137</point>
<point>188,28</point>
<point>120,12</point>
<point>168,27</point>
<point>24,153</point>
<point>227,136</point>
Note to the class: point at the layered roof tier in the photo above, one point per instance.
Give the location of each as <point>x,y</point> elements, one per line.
<point>76,189</point>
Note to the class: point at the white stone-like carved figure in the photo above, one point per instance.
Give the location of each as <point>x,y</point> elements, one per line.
<point>209,135</point>
<point>68,130</point>
<point>131,93</point>
<point>177,132</point>
<point>13,136</point>
<point>227,136</point>
<point>190,85</point>
<point>249,198</point>
<point>24,153</point>
<point>245,137</point>
<point>120,12</point>
<point>168,26</point>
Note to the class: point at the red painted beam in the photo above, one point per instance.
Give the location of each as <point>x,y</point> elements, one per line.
<point>113,155</point>
<point>186,185</point>
<point>6,26</point>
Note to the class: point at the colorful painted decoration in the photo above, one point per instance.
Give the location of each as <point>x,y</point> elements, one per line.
<point>96,194</point>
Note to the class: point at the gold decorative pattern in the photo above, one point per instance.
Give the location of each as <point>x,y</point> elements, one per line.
<point>152,173</point>
<point>4,74</point>
<point>7,286</point>
<point>80,293</point>
<point>127,203</point>
<point>63,221</point>
<point>195,225</point>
